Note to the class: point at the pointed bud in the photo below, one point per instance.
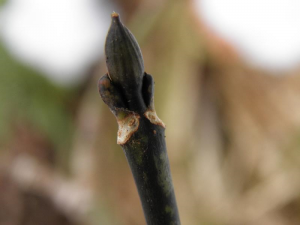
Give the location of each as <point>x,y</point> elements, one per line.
<point>123,57</point>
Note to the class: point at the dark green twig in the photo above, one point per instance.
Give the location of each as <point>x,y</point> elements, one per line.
<point>128,91</point>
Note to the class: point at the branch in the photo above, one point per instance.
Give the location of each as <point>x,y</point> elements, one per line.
<point>129,93</point>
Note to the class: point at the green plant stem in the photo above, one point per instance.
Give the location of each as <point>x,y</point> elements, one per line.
<point>128,92</point>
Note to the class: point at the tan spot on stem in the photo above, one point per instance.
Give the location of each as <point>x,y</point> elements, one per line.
<point>153,118</point>
<point>127,127</point>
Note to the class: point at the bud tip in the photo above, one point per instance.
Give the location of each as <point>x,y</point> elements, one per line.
<point>114,15</point>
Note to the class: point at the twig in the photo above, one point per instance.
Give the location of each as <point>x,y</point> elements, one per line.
<point>128,91</point>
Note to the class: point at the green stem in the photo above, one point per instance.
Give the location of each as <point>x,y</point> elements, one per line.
<point>128,92</point>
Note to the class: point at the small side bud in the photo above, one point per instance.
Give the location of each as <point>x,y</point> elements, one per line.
<point>110,94</point>
<point>148,91</point>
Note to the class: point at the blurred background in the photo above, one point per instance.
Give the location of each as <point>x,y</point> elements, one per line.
<point>227,80</point>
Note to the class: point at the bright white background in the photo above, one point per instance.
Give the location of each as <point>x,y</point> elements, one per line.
<point>62,37</point>
<point>265,32</point>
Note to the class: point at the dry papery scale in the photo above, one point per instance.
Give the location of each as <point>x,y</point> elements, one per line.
<point>128,91</point>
